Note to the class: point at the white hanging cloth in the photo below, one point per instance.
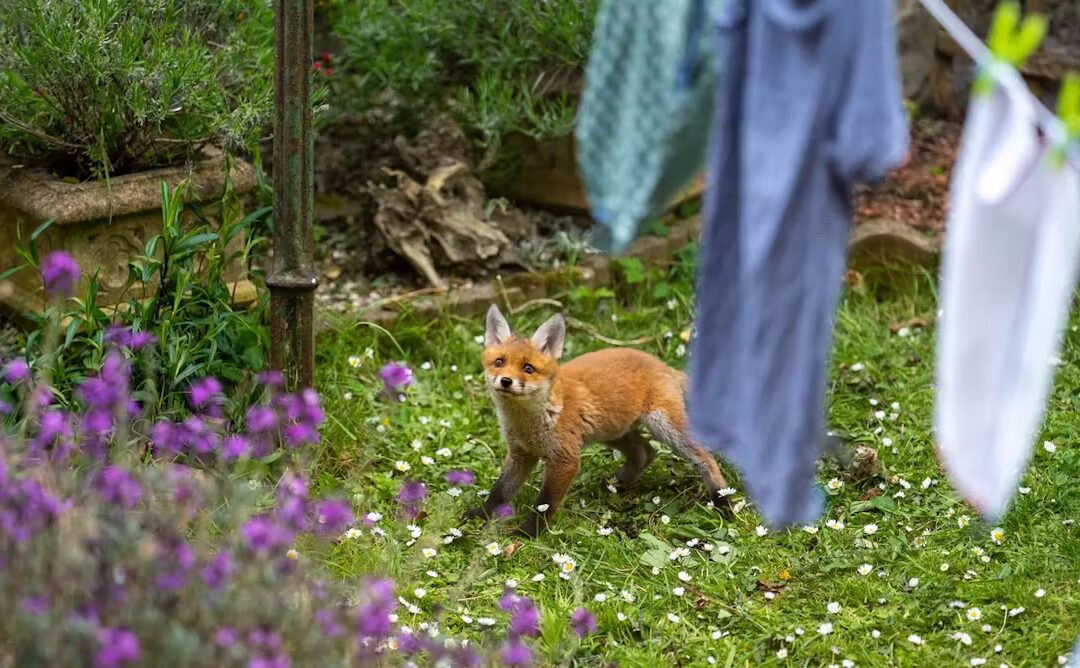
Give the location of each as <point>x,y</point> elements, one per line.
<point>1010,259</point>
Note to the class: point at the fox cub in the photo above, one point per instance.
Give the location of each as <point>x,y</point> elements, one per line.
<point>547,411</point>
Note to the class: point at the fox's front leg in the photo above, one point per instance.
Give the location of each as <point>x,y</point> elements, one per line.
<point>559,473</point>
<point>515,471</point>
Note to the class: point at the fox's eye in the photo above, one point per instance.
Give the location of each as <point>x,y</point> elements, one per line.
<point>528,368</point>
<point>499,362</point>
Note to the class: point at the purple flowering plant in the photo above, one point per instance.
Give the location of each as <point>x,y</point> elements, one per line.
<point>129,537</point>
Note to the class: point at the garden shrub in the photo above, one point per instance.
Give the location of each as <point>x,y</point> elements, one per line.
<point>484,60</point>
<point>127,539</point>
<point>179,299</point>
<point>93,88</point>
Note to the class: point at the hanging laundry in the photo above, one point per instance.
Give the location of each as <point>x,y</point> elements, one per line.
<point>1012,246</point>
<point>808,104</point>
<point>643,124</point>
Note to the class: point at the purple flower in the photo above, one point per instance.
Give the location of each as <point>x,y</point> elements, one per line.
<point>461,477</point>
<point>328,623</point>
<point>279,660</point>
<point>234,448</point>
<point>117,647</point>
<point>412,492</point>
<point>25,507</point>
<point>504,510</point>
<point>304,415</point>
<point>225,636</point>
<point>217,573</point>
<point>121,336</point>
<point>54,433</point>
<point>525,620</point>
<point>260,419</point>
<point>165,438</point>
<point>41,397</point>
<point>515,653</point>
<point>117,485</point>
<point>16,371</point>
<point>333,516</point>
<point>373,617</point>
<point>175,560</point>
<point>272,379</point>
<point>264,535</point>
<point>292,501</point>
<point>408,643</point>
<point>60,273</point>
<point>261,638</point>
<point>583,622</point>
<point>206,393</point>
<point>395,376</point>
<point>35,605</point>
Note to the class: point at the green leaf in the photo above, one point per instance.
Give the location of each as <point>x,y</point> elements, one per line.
<point>661,290</point>
<point>878,503</point>
<point>655,542</point>
<point>11,272</point>
<point>655,557</point>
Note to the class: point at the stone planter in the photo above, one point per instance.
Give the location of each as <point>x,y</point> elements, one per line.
<point>105,226</point>
<point>544,173</point>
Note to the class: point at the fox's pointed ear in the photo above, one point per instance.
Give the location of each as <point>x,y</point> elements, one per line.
<point>549,336</point>
<point>497,329</point>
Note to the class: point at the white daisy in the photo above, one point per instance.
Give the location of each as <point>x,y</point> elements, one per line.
<point>835,484</point>
<point>915,639</point>
<point>1040,592</point>
<point>833,608</point>
<point>963,521</point>
<point>604,531</point>
<point>673,618</point>
<point>1049,447</point>
<point>870,529</point>
<point>810,529</point>
<point>678,591</point>
<point>353,533</point>
<point>961,637</point>
<point>974,614</point>
<point>825,628</point>
<point>761,530</point>
<point>493,548</point>
<point>725,491</point>
<point>664,519</point>
<point>865,569</point>
<point>685,577</point>
<point>402,466</point>
<point>997,534</point>
<point>835,524</point>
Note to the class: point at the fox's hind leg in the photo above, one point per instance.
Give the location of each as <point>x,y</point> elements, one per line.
<point>638,454</point>
<point>670,426</point>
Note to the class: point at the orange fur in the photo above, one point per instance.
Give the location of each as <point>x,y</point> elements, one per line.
<point>548,412</point>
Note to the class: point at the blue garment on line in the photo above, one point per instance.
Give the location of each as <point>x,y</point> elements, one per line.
<point>808,103</point>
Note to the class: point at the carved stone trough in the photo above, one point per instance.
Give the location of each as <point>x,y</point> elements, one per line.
<point>105,225</point>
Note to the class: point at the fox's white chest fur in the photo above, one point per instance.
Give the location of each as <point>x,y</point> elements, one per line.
<point>528,428</point>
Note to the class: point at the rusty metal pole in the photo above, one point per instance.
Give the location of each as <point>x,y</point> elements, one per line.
<point>292,280</point>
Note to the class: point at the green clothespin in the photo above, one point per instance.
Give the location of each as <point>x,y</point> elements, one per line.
<point>1068,111</point>
<point>1010,40</point>
<point>1069,104</point>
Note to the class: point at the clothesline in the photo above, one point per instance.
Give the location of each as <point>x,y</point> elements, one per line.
<point>981,54</point>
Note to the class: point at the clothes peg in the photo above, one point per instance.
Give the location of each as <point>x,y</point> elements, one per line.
<point>1069,104</point>
<point>1011,40</point>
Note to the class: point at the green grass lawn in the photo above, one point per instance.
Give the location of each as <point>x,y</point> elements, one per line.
<point>672,580</point>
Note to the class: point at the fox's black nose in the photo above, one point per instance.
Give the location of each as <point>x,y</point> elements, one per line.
<point>506,382</point>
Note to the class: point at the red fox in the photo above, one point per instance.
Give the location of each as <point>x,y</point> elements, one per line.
<point>547,411</point>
